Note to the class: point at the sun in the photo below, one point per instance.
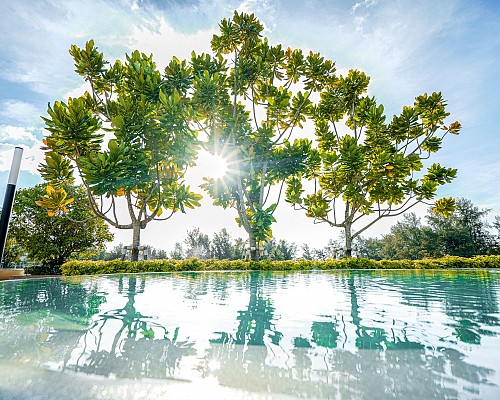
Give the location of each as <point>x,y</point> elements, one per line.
<point>214,165</point>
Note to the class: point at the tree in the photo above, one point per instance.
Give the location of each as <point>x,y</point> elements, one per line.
<point>221,247</point>
<point>197,245</point>
<point>54,239</point>
<point>496,242</point>
<point>238,249</point>
<point>371,168</point>
<point>114,253</point>
<point>465,233</point>
<point>178,252</point>
<point>408,240</point>
<point>156,254</point>
<point>150,148</point>
<point>249,97</point>
<point>281,250</point>
<point>307,254</point>
<point>331,250</point>
<point>12,253</point>
<point>370,248</point>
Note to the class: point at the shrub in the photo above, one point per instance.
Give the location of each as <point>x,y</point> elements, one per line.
<point>43,269</point>
<point>87,267</point>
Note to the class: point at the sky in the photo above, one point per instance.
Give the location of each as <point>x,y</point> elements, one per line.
<point>406,47</point>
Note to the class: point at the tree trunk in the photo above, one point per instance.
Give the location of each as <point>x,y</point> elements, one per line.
<point>348,239</point>
<point>136,240</point>
<point>254,250</point>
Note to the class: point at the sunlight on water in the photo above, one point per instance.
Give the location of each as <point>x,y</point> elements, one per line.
<point>318,335</point>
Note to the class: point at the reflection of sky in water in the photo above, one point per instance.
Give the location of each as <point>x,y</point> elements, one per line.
<point>349,335</point>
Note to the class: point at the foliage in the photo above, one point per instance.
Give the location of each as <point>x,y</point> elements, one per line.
<point>249,97</point>
<point>85,267</point>
<point>142,167</point>
<point>221,246</point>
<point>54,239</point>
<point>371,168</point>
<point>116,253</point>
<point>178,252</point>
<point>12,252</point>
<point>157,254</point>
<point>465,233</point>
<point>197,245</point>
<point>332,250</point>
<point>306,252</point>
<point>408,239</point>
<point>43,269</point>
<point>280,250</point>
<point>112,254</point>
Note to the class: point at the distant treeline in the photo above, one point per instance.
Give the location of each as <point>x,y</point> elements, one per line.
<point>466,233</point>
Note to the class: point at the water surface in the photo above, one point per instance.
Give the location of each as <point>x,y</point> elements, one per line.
<point>316,335</point>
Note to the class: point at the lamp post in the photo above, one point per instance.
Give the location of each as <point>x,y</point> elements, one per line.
<point>8,200</point>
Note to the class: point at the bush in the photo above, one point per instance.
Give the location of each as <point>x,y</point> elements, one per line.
<point>86,267</point>
<point>43,269</point>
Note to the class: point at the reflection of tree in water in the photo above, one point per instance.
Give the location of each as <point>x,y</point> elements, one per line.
<point>469,299</point>
<point>245,352</point>
<point>54,322</point>
<point>387,364</point>
<point>140,346</point>
<point>43,319</point>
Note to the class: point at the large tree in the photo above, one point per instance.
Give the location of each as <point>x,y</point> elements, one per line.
<point>366,169</point>
<point>465,233</point>
<point>250,97</point>
<point>408,239</point>
<point>53,239</point>
<point>149,148</point>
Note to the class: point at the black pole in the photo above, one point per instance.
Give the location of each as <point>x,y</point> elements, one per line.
<point>8,200</point>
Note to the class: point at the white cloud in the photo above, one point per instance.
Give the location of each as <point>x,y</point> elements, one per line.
<point>365,4</point>
<point>35,38</point>
<point>165,42</point>
<point>20,112</point>
<point>16,135</point>
<point>77,91</point>
<point>32,156</point>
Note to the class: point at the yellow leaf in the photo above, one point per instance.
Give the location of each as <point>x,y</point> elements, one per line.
<point>389,167</point>
<point>49,189</point>
<point>120,192</point>
<point>51,213</point>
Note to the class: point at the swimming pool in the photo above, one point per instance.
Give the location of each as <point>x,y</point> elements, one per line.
<point>252,335</point>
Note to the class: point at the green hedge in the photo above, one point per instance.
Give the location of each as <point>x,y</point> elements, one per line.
<point>42,269</point>
<point>193,264</point>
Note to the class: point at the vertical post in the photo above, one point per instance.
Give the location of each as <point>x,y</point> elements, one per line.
<point>8,200</point>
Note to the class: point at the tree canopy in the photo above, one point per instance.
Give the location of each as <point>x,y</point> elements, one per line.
<point>251,102</point>
<point>364,168</point>
<point>150,144</point>
<point>465,233</point>
<point>250,97</point>
<point>53,239</point>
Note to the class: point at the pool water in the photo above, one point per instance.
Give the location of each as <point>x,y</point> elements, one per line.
<point>253,335</point>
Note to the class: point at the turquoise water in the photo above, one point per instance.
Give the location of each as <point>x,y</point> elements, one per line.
<point>317,335</point>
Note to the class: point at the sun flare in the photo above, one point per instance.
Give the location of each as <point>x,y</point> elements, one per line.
<point>215,165</point>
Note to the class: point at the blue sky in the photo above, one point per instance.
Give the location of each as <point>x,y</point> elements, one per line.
<point>406,47</point>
